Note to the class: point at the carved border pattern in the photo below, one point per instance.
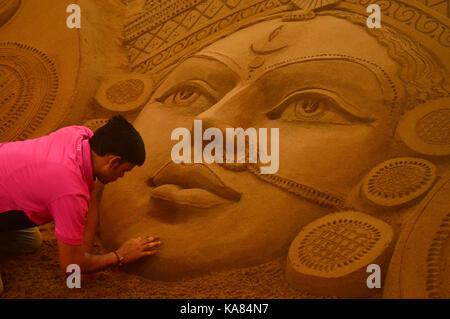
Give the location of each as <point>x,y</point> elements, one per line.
<point>431,4</point>
<point>411,16</point>
<point>164,57</point>
<point>149,20</point>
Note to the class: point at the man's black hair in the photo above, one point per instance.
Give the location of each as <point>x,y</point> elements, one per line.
<point>120,138</point>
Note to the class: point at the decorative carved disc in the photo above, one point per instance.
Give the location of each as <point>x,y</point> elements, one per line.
<point>28,86</point>
<point>426,129</point>
<point>330,255</point>
<point>398,181</point>
<point>125,93</point>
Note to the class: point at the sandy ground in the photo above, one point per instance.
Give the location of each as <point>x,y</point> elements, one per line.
<point>38,276</point>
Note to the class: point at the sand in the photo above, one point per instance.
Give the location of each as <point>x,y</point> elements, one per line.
<point>38,275</point>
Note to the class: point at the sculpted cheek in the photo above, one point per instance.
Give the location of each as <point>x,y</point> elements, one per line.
<point>332,158</point>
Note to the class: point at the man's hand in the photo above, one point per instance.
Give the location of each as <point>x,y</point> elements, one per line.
<point>136,248</point>
<point>131,250</point>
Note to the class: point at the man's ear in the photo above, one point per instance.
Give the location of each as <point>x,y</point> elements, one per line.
<point>114,161</point>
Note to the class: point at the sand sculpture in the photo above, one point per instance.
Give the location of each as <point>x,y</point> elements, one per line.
<point>125,93</point>
<point>363,117</point>
<point>94,124</point>
<point>242,64</point>
<point>29,84</point>
<point>425,129</point>
<point>7,10</point>
<point>398,181</point>
<point>330,255</point>
<point>419,266</point>
<point>38,75</point>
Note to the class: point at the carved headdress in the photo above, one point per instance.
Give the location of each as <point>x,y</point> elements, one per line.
<point>167,30</point>
<point>417,34</point>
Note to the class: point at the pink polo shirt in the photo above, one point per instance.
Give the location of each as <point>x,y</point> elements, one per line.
<point>50,178</point>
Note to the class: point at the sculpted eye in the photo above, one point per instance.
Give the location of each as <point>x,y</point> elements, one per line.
<point>197,95</point>
<point>318,106</point>
<point>184,96</point>
<point>309,108</point>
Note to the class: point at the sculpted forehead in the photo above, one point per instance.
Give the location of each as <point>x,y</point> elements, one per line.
<point>276,41</point>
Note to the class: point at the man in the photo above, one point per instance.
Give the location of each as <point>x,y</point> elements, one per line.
<point>52,179</point>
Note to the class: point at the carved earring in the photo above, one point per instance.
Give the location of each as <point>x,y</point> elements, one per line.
<point>125,92</point>
<point>397,182</point>
<point>329,256</point>
<point>426,128</point>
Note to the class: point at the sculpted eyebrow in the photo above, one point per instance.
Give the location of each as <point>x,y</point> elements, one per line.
<point>222,59</point>
<point>207,59</point>
<point>218,75</point>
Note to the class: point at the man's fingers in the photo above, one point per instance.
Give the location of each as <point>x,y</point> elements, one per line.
<point>150,252</point>
<point>151,238</point>
<point>151,245</point>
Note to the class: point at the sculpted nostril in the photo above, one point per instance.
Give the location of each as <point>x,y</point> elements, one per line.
<point>150,182</point>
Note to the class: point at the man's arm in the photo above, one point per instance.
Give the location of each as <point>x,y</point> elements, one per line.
<point>131,250</point>
<point>69,254</point>
<point>91,223</point>
<point>70,232</point>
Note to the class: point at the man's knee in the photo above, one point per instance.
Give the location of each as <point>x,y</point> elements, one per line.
<point>32,241</point>
<point>22,241</point>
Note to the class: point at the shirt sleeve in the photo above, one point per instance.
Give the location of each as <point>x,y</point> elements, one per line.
<point>69,213</point>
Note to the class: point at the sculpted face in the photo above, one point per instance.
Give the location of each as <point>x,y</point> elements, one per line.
<point>325,83</point>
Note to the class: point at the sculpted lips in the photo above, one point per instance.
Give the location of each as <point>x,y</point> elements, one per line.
<point>192,185</point>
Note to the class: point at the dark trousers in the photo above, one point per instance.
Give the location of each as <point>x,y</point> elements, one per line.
<point>14,220</point>
<point>18,235</point>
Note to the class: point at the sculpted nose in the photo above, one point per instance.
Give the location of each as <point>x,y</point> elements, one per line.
<point>231,149</point>
<point>232,112</point>
<point>214,122</point>
<point>239,108</point>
